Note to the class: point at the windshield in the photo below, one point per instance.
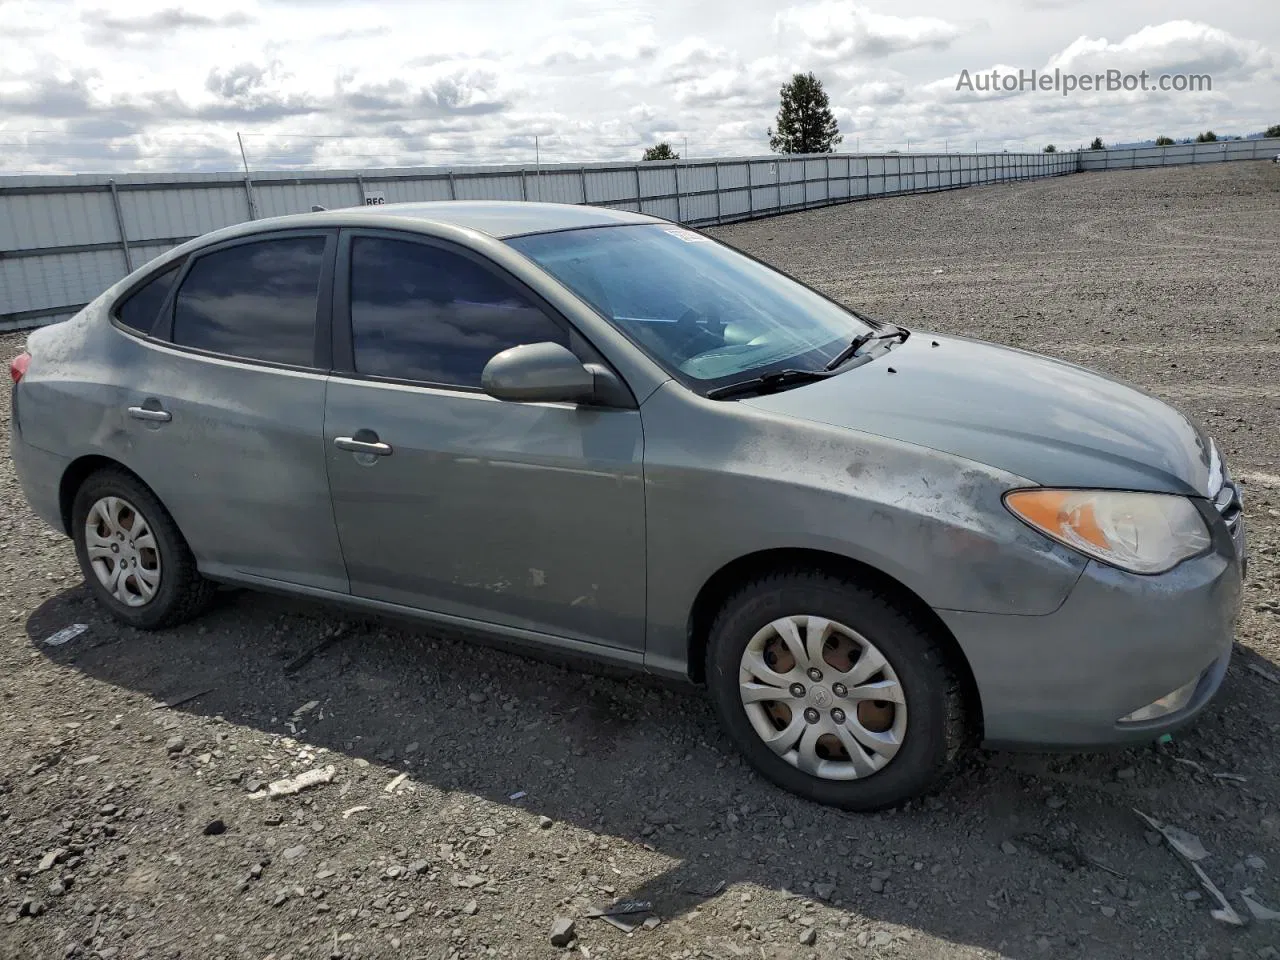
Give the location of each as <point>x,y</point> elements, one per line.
<point>704,311</point>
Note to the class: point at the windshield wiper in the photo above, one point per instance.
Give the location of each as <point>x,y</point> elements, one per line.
<point>861,340</point>
<point>766,383</point>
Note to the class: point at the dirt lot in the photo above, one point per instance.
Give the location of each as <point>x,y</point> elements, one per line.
<point>111,804</point>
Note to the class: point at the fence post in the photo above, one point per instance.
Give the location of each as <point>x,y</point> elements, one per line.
<point>751,193</point>
<point>679,210</point>
<point>360,186</point>
<point>248,183</point>
<point>582,177</point>
<point>124,237</point>
<point>719,215</point>
<point>524,185</point>
<point>639,197</point>
<point>453,189</point>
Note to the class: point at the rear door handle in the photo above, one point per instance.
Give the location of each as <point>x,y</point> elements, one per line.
<point>378,448</point>
<point>152,416</point>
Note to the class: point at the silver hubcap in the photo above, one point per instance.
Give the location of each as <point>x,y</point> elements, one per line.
<point>122,551</point>
<point>822,697</point>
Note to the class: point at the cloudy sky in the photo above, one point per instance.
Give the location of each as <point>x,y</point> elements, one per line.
<point>96,85</point>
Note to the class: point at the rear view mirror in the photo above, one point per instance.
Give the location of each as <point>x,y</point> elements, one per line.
<point>537,372</point>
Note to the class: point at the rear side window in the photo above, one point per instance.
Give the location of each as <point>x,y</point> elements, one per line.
<point>255,300</point>
<point>139,310</point>
<point>422,313</point>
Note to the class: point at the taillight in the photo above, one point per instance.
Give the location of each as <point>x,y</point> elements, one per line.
<point>18,366</point>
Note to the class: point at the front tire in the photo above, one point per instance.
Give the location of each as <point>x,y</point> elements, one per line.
<point>132,555</point>
<point>834,692</point>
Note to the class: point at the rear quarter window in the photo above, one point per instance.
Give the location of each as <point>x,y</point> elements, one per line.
<point>138,311</point>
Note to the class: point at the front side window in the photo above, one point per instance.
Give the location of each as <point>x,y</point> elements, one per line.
<point>699,308</point>
<point>140,309</point>
<point>254,300</point>
<point>426,314</point>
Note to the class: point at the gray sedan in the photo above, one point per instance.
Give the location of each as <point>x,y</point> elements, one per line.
<point>598,432</point>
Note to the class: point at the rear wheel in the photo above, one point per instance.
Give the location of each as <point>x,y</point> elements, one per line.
<point>834,692</point>
<point>132,555</point>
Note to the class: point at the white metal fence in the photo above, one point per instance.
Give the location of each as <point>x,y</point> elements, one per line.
<point>64,239</point>
<point>1179,154</point>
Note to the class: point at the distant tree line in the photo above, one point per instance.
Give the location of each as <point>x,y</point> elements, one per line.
<point>806,124</point>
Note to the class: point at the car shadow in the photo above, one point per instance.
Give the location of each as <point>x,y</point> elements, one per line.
<point>644,761</point>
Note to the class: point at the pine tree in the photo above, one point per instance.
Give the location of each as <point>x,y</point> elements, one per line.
<point>805,121</point>
<point>660,151</point>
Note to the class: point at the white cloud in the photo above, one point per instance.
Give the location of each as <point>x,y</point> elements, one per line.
<point>863,85</point>
<point>1179,46</point>
<point>564,50</point>
<point>318,83</point>
<point>841,29</point>
<point>690,59</point>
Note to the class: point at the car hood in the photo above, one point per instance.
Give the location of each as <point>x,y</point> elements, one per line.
<point>1052,422</point>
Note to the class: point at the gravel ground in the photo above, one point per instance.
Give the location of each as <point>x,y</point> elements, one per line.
<point>128,829</point>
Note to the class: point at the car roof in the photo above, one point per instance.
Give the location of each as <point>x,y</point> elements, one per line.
<point>505,218</point>
<point>499,219</point>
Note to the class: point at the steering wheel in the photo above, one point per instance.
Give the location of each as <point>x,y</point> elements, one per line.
<point>695,325</point>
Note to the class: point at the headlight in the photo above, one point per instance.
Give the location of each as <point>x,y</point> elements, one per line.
<point>1138,532</point>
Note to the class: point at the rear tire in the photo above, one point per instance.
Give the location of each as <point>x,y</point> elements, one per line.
<point>133,557</point>
<point>824,711</point>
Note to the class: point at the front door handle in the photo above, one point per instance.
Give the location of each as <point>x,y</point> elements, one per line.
<point>150,415</point>
<point>376,447</point>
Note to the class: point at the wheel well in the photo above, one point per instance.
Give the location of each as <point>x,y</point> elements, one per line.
<point>76,473</point>
<point>728,578</point>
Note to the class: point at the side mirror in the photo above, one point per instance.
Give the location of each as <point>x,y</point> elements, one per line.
<point>537,372</point>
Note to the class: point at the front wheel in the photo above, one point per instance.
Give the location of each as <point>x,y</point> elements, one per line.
<point>834,692</point>
<point>132,555</point>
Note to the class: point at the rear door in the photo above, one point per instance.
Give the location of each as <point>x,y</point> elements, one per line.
<point>523,515</point>
<point>223,412</point>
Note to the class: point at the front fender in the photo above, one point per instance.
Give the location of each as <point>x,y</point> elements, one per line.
<point>724,480</point>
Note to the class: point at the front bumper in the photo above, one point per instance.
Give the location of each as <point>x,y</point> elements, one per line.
<point>1119,642</point>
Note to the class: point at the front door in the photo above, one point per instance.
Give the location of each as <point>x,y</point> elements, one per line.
<point>523,515</point>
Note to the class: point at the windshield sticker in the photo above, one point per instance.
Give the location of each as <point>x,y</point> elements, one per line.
<point>688,236</point>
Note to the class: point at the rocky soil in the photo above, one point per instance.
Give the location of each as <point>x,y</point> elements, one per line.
<point>480,803</point>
